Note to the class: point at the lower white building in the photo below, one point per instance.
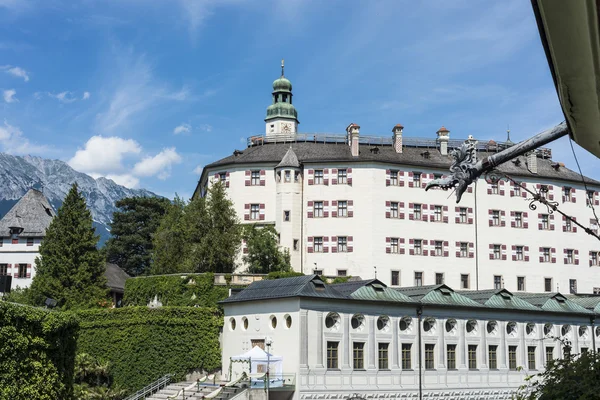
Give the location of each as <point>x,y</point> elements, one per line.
<point>364,339</point>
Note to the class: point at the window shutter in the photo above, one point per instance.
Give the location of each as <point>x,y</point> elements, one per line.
<point>334,244</point>
<point>325,244</point>
<point>309,209</point>
<point>248,173</point>
<point>388,248</point>
<point>349,176</point>
<point>387,177</point>
<point>350,208</point>
<point>387,209</point>
<point>309,244</point>
<point>325,208</point>
<point>261,215</point>
<point>350,244</point>
<point>326,177</point>
<point>311,176</point>
<point>226,179</point>
<point>28,271</point>
<point>262,177</point>
<point>246,212</point>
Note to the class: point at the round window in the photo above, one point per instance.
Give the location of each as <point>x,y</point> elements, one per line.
<point>565,330</point>
<point>548,329</point>
<point>583,330</point>
<point>383,323</point>
<point>429,325</point>
<point>471,326</point>
<point>273,321</point>
<point>332,320</point>
<point>288,321</point>
<point>511,328</point>
<point>245,323</point>
<point>405,323</point>
<point>451,325</point>
<point>491,327</point>
<point>530,329</point>
<point>357,321</point>
<point>232,324</point>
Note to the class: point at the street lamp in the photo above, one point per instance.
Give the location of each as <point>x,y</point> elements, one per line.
<point>268,342</point>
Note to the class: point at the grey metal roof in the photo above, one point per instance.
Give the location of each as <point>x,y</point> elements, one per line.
<point>347,288</point>
<point>115,277</point>
<point>553,302</point>
<point>33,213</point>
<point>439,295</point>
<point>289,160</point>
<point>590,302</point>
<point>308,152</point>
<point>499,298</point>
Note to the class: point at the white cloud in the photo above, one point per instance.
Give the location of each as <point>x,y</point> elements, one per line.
<point>16,71</point>
<point>126,180</point>
<point>9,95</point>
<point>104,155</point>
<point>64,97</point>
<point>86,95</point>
<point>159,165</point>
<point>198,169</point>
<point>206,128</point>
<point>13,141</point>
<point>183,128</point>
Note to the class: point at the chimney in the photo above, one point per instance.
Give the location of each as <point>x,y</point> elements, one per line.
<point>397,138</point>
<point>443,138</point>
<point>353,134</point>
<point>532,162</point>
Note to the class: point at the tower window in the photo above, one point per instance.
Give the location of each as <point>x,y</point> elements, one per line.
<point>295,244</point>
<point>288,176</point>
<point>286,216</point>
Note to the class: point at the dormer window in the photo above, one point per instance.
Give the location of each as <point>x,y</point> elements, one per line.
<point>378,287</point>
<point>319,285</point>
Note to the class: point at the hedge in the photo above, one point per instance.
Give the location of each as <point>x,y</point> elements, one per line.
<point>37,353</point>
<point>144,344</point>
<point>175,290</point>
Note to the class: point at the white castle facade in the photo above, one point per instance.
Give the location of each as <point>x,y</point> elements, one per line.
<point>352,205</point>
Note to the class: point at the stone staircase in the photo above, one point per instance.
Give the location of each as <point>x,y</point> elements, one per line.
<point>193,394</point>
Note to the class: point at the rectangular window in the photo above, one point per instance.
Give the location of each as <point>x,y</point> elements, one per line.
<point>546,254</point>
<point>358,355</point>
<point>566,193</point>
<point>417,179</point>
<point>342,177</point>
<point>451,356</point>
<point>395,278</point>
<point>288,176</point>
<point>254,211</point>
<point>418,245</point>
<point>463,215</point>
<point>342,208</point>
<point>545,222</point>
<point>394,209</point>
<point>318,272</point>
<point>406,357</point>
<point>548,284</point>
<point>512,358</point>
<point>332,355</point>
<point>497,252</point>
<point>437,212</point>
<point>3,269</point>
<point>464,281</point>
<point>593,258</point>
<point>383,355</point>
<point>544,191</point>
<point>22,270</point>
<point>495,217</point>
<point>429,356</point>
<point>295,244</point>
<point>255,178</point>
<point>531,357</point>
<point>519,253</point>
<point>521,283</point>
<point>569,256</point>
<point>517,190</point>
<point>296,176</point>
<point>568,225</point>
<point>394,245</point>
<point>29,241</point>
<point>342,244</point>
<point>518,219</point>
<point>494,187</point>
<point>573,286</point>
<point>472,352</point>
<point>418,279</point>
<point>439,248</point>
<point>497,282</point>
<point>318,209</point>
<point>549,353</point>
<point>493,357</point>
<point>318,244</point>
<point>286,216</point>
<point>417,212</point>
<point>439,278</point>
<point>464,249</point>
<point>342,272</point>
<point>394,177</point>
<point>318,176</point>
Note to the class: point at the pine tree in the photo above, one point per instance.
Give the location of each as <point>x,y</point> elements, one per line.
<point>70,269</point>
<point>264,255</point>
<point>170,240</point>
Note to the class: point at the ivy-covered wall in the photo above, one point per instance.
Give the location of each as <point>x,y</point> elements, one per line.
<point>175,290</point>
<point>37,353</point>
<point>144,344</point>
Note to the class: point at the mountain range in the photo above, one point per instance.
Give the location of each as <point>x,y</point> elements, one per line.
<point>54,178</point>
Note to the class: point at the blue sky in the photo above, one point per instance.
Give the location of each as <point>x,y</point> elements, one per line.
<point>147,92</point>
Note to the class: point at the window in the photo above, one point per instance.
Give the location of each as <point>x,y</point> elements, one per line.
<point>569,256</point>
<point>394,177</point>
<point>254,211</point>
<point>22,271</point>
<point>521,283</point>
<point>288,176</point>
<point>418,279</point>
<point>518,219</point>
<point>318,209</point>
<point>544,191</point>
<point>566,194</point>
<point>464,249</point>
<point>546,254</point>
<point>29,241</point>
<point>342,244</point>
<point>472,356</point>
<point>512,358</point>
<point>383,355</point>
<point>545,223</point>
<point>497,252</point>
<point>568,225</point>
<point>342,176</point>
<point>451,356</point>
<point>358,355</point>
<point>418,245</point>
<point>493,357</point>
<point>318,244</point>
<point>406,358</point>
<point>572,286</point>
<point>549,354</point>
<point>417,179</point>
<point>332,355</point>
<point>223,177</point>
<point>3,269</point>
<point>342,208</point>
<point>295,244</point>
<point>394,209</point>
<point>318,176</point>
<point>342,272</point>
<point>296,176</point>
<point>594,225</point>
<point>429,356</point>
<point>494,188</point>
<point>395,278</point>
<point>394,245</point>
<point>464,281</point>
<point>417,212</point>
<point>437,212</point>
<point>318,272</point>
<point>531,357</point>
<point>497,282</point>
<point>519,253</point>
<point>439,278</point>
<point>439,248</point>
<point>495,217</point>
<point>255,178</point>
<point>593,258</point>
<point>548,284</point>
<point>286,216</point>
<point>463,215</point>
<point>517,190</point>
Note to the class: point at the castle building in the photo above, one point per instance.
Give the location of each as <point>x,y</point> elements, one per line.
<point>355,205</point>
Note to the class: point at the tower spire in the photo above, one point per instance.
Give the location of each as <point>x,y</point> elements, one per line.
<point>282,67</point>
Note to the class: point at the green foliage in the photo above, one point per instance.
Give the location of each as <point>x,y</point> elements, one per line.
<point>70,269</point>
<point>93,380</point>
<point>19,295</point>
<point>143,344</point>
<point>574,377</point>
<point>339,279</point>
<point>132,230</point>
<point>37,353</point>
<point>264,255</point>
<point>175,290</point>
<point>170,240</point>
<point>283,274</point>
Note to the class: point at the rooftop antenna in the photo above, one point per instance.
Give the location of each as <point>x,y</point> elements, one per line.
<point>508,133</point>
<point>282,67</point>
<point>375,269</point>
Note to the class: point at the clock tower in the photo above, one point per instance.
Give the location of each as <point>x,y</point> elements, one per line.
<point>282,117</point>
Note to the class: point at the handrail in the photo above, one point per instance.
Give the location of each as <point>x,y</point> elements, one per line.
<point>151,388</point>
<point>182,391</point>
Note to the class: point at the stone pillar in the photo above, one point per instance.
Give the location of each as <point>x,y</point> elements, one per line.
<point>395,349</point>
<point>372,343</point>
<point>441,344</point>
<point>303,338</point>
<point>462,344</point>
<point>503,351</point>
<point>353,132</point>
<point>320,339</point>
<point>483,344</point>
<point>397,138</point>
<point>443,138</point>
<point>346,345</point>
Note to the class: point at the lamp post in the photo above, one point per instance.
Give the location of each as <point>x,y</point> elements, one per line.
<point>268,342</point>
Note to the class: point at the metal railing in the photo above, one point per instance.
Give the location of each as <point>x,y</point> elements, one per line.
<point>151,388</point>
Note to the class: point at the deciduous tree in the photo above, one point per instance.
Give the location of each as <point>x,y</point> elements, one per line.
<point>264,255</point>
